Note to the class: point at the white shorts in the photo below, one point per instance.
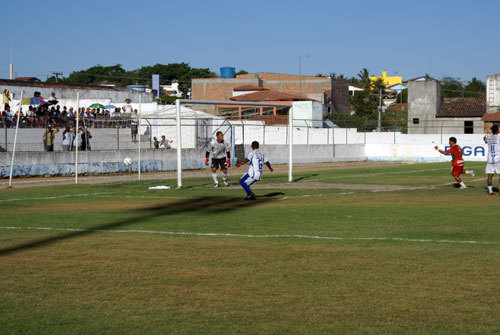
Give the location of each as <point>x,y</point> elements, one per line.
<point>249,180</point>
<point>492,168</point>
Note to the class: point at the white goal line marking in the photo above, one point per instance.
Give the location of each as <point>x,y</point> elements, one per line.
<point>290,236</point>
<point>57,196</point>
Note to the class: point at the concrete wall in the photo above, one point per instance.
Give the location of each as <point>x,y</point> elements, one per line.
<point>278,154</point>
<point>493,93</point>
<point>420,148</point>
<point>97,162</point>
<point>457,125</point>
<point>424,99</point>
<point>111,161</point>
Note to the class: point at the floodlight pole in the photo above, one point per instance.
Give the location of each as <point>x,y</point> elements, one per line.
<point>179,142</point>
<point>290,143</point>
<point>15,139</point>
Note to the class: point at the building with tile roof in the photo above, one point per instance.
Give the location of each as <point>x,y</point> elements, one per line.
<point>428,113</point>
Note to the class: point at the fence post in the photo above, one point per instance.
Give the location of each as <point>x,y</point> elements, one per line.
<point>333,141</point>
<point>364,132</point>
<point>441,132</point>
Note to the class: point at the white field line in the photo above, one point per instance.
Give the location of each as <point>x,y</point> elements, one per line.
<point>291,236</point>
<point>57,197</point>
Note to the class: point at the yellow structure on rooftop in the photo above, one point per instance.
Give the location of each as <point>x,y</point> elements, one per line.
<point>388,81</point>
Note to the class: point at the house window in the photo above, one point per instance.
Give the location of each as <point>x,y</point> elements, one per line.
<point>468,127</point>
<point>416,120</point>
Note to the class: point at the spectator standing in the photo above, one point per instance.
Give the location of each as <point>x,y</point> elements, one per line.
<point>7,116</point>
<point>115,117</point>
<point>85,137</point>
<point>134,125</point>
<point>6,98</point>
<point>164,143</point>
<point>77,139</point>
<point>127,108</point>
<point>48,138</point>
<point>67,141</point>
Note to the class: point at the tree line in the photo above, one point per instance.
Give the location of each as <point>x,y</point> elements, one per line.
<point>116,74</point>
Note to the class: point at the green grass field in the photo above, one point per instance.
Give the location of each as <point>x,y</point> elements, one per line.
<point>121,259</point>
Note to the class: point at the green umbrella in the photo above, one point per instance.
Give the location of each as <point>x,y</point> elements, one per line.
<point>97,106</point>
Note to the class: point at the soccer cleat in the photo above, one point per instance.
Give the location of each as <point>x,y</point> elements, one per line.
<point>462,186</point>
<point>226,183</point>
<point>491,193</point>
<point>471,172</point>
<point>216,185</point>
<point>250,197</point>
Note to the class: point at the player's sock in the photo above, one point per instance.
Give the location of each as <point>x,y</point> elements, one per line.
<point>490,189</point>
<point>462,185</point>
<point>214,177</point>
<point>471,172</point>
<point>224,178</point>
<point>246,188</point>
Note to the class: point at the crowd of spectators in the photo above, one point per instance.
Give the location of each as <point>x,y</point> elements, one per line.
<point>40,116</point>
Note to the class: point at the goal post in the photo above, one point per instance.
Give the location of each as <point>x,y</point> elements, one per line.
<point>179,102</point>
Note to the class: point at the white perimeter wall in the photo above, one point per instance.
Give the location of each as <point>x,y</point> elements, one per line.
<point>385,146</point>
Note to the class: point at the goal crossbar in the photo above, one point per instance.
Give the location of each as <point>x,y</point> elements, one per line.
<point>178,103</point>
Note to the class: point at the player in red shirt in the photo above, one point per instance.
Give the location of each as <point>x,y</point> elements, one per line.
<point>457,162</point>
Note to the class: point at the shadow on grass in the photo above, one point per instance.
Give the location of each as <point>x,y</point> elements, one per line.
<point>306,176</point>
<point>202,205</point>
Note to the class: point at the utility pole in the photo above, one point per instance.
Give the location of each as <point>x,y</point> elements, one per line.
<point>57,74</point>
<point>300,76</point>
<point>379,125</point>
<point>11,67</point>
<point>300,73</point>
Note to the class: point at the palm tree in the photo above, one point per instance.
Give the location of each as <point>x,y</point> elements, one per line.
<point>364,75</point>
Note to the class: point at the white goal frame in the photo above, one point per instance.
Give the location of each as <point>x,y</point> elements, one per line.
<point>178,103</point>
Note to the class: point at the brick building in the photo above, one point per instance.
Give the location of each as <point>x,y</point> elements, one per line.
<point>333,93</point>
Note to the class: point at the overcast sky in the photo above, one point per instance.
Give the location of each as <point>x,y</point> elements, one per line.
<point>411,38</point>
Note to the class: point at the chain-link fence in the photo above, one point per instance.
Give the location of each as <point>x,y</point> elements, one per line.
<point>100,145</point>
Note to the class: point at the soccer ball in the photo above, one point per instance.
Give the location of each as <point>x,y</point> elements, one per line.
<point>127,161</point>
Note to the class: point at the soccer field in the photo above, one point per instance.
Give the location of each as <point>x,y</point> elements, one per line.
<point>367,250</point>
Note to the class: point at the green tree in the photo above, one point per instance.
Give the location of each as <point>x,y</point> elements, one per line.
<point>402,96</point>
<point>114,73</point>
<point>475,88</point>
<point>365,104</point>
<point>451,87</point>
<point>241,72</point>
<point>364,77</point>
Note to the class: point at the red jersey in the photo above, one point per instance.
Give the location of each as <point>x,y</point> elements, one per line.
<point>456,155</point>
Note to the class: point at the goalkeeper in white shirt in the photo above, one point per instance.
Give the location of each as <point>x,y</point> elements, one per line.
<point>221,157</point>
<point>493,162</point>
<point>256,160</point>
